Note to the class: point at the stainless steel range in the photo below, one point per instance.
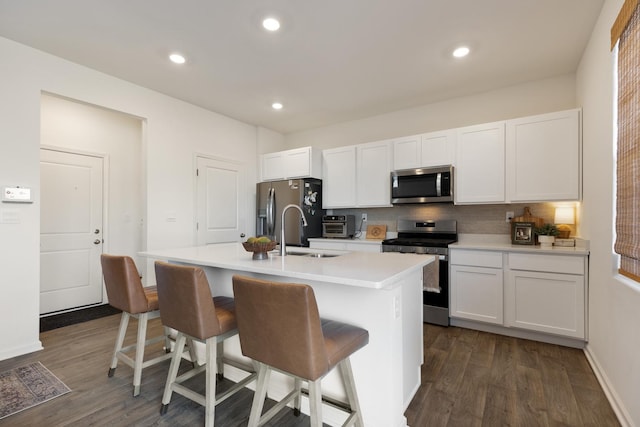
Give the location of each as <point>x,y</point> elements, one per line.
<point>433,238</point>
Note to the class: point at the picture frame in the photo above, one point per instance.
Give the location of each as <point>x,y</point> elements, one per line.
<point>522,233</point>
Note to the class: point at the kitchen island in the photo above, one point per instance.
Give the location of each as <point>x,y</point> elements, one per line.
<point>381,292</point>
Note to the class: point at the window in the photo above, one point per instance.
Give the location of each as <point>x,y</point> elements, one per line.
<point>626,32</point>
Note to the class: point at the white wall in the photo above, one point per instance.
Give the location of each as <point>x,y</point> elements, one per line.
<point>614,302</point>
<point>537,97</point>
<point>173,132</point>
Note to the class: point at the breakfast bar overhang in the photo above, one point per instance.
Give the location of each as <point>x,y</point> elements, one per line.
<point>381,292</point>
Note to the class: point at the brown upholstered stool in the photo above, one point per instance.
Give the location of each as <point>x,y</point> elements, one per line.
<point>281,329</point>
<point>126,293</point>
<point>187,306</point>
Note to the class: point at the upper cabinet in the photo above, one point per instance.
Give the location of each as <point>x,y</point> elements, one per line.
<point>544,157</point>
<point>426,150</point>
<point>296,163</point>
<point>480,166</point>
<point>530,159</point>
<point>357,176</point>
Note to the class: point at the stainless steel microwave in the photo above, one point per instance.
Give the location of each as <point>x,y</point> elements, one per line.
<point>423,185</point>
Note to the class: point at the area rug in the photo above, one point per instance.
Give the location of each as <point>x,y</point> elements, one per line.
<point>27,386</point>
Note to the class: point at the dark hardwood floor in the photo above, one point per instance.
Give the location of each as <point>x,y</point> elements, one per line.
<point>469,378</point>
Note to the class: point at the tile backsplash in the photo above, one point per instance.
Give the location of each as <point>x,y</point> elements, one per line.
<point>472,219</point>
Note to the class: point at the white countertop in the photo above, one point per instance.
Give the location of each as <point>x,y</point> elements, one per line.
<point>498,242</point>
<point>363,269</point>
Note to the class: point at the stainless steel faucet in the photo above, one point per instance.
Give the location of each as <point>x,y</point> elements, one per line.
<point>283,245</point>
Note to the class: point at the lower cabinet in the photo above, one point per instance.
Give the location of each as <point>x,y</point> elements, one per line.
<point>534,292</point>
<point>476,285</point>
<point>546,296</point>
<point>345,245</point>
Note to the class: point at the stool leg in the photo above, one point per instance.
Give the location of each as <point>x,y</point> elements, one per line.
<point>210,383</point>
<point>350,388</point>
<point>167,339</point>
<point>122,330</point>
<point>297,385</point>
<point>219,360</point>
<point>315,403</point>
<point>140,344</point>
<point>262,384</point>
<point>173,372</point>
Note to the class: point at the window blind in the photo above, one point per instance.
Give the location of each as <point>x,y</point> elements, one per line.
<point>626,29</point>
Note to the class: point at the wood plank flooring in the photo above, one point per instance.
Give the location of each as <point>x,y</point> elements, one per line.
<point>469,378</point>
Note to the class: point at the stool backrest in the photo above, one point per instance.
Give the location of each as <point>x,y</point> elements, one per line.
<point>185,300</point>
<point>279,325</point>
<point>122,281</point>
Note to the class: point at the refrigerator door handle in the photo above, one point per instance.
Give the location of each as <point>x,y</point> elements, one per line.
<point>271,212</point>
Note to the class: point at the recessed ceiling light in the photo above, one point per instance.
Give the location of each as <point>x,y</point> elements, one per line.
<point>177,58</point>
<point>276,106</point>
<point>271,24</point>
<point>460,52</point>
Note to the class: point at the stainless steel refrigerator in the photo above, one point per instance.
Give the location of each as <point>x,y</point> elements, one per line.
<point>273,196</point>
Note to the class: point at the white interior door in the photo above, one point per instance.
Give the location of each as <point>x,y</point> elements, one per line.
<point>70,230</point>
<point>221,201</point>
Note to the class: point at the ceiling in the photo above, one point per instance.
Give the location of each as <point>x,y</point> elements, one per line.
<point>331,61</point>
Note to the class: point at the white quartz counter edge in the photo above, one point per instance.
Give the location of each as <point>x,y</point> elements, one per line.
<point>507,247</point>
<point>363,269</point>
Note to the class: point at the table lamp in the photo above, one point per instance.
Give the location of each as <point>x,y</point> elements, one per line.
<point>564,216</point>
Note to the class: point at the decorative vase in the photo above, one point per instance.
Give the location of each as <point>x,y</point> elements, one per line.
<point>546,241</point>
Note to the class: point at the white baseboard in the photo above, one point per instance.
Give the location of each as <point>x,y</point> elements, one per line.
<point>616,404</point>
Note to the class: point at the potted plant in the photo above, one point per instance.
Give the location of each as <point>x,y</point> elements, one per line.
<point>546,234</point>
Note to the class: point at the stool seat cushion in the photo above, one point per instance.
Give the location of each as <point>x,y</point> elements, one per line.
<point>226,313</point>
<point>341,340</point>
<point>151,292</point>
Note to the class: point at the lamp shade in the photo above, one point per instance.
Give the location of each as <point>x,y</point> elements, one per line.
<point>564,215</point>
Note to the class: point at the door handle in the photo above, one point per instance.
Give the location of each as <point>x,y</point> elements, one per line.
<point>97,231</point>
<point>242,235</point>
<point>97,242</point>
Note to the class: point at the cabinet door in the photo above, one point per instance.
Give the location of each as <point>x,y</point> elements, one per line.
<point>407,152</point>
<point>297,163</point>
<point>480,167</point>
<point>339,177</point>
<point>272,166</point>
<point>374,163</point>
<point>437,148</point>
<point>544,157</point>
<point>546,302</point>
<point>476,293</point>
<point>363,247</point>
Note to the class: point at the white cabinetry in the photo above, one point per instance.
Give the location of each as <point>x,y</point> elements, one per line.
<point>476,285</point>
<point>373,174</point>
<point>357,176</point>
<point>339,177</point>
<point>346,245</point>
<point>426,150</point>
<point>296,163</point>
<point>480,164</point>
<point>544,157</point>
<point>546,293</point>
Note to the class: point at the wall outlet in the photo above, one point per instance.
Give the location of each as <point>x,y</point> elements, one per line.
<point>364,217</point>
<point>509,216</point>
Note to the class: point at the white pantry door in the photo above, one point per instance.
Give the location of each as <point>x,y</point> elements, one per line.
<point>221,202</point>
<point>70,230</point>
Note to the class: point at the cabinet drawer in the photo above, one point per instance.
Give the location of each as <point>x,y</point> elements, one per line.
<point>550,263</point>
<point>475,258</point>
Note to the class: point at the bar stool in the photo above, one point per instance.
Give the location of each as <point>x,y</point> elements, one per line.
<point>126,293</point>
<point>187,306</point>
<point>281,329</point>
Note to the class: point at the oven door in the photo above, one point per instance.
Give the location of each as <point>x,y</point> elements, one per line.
<point>436,304</point>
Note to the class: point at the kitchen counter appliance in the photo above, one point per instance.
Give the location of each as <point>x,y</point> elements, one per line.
<point>338,226</point>
<point>274,196</point>
<point>433,238</point>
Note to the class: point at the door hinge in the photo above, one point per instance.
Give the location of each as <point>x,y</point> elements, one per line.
<point>197,172</point>
<point>197,226</point>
